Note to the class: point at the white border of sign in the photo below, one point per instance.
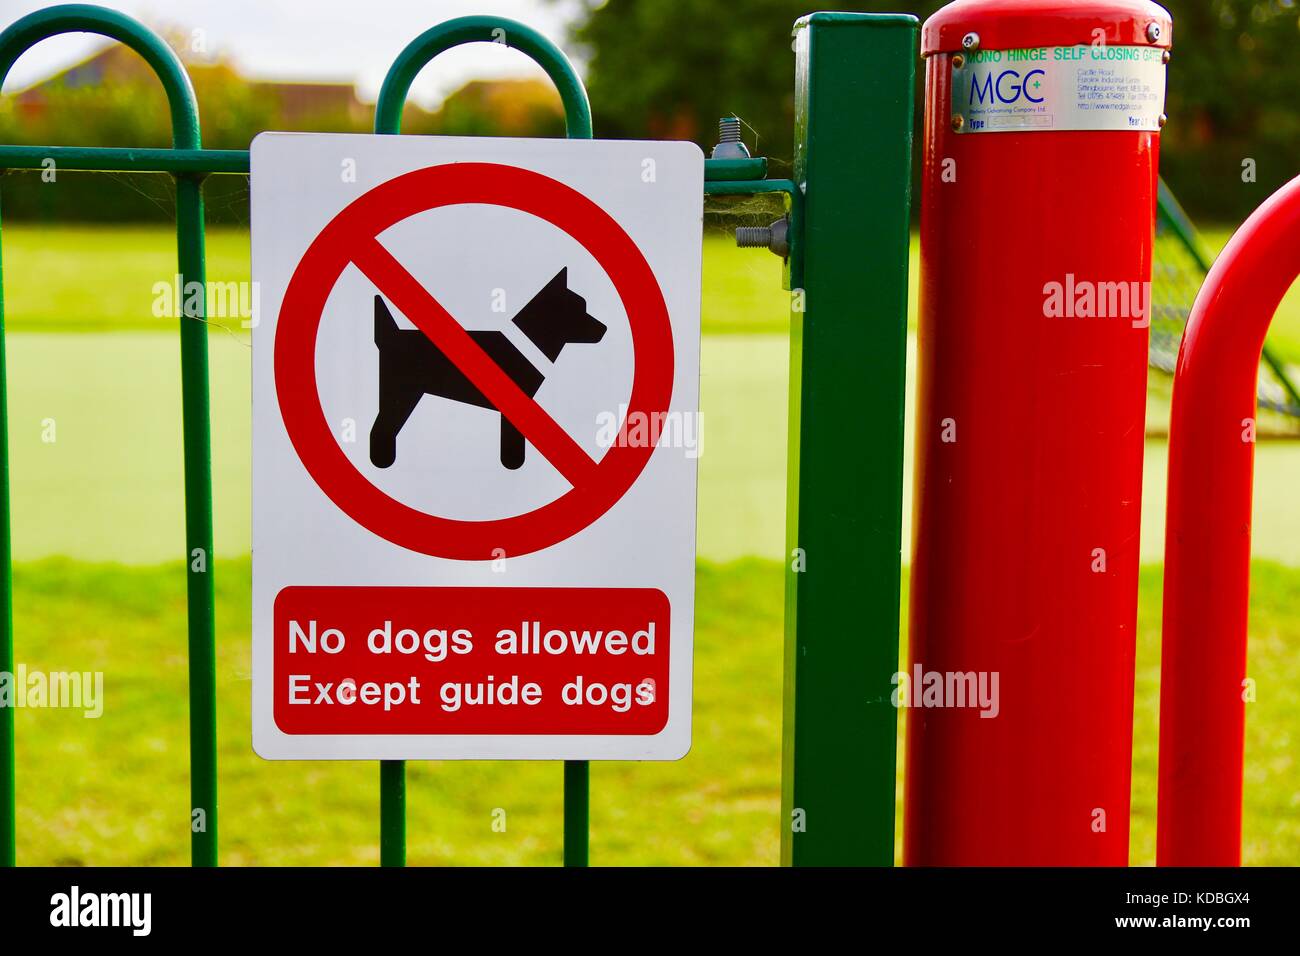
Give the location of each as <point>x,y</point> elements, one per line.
<point>647,539</point>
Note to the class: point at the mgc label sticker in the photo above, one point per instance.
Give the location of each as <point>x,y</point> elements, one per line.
<point>1058,88</point>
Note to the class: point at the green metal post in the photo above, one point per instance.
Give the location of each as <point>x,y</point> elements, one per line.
<point>854,78</point>
<point>392,773</point>
<point>577,812</point>
<point>577,796</point>
<point>392,813</point>
<point>197,436</point>
<point>8,827</point>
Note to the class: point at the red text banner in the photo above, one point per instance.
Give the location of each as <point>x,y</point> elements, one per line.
<point>477,661</point>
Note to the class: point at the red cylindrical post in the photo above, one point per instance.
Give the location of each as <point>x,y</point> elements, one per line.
<point>1207,538</point>
<point>1041,137</point>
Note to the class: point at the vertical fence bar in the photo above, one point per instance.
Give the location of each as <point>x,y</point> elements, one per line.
<point>8,827</point>
<point>196,430</point>
<point>392,773</point>
<point>17,38</point>
<point>577,121</point>
<point>392,813</point>
<point>577,797</point>
<point>853,132</point>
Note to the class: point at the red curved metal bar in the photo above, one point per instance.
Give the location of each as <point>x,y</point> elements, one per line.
<point>1207,538</point>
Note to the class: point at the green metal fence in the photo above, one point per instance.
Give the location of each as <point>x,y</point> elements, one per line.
<point>847,271</point>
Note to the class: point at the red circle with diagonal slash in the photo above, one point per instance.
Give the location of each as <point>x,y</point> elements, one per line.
<point>351,238</point>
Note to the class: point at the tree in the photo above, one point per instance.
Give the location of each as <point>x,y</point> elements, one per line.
<point>670,69</point>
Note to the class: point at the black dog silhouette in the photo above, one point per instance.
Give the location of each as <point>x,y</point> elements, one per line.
<point>411,366</point>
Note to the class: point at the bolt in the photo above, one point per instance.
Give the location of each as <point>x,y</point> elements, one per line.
<point>729,143</point>
<point>1164,57</point>
<point>775,237</point>
<point>958,61</point>
<point>1163,120</point>
<point>1153,32</point>
<point>958,121</point>
<point>971,41</point>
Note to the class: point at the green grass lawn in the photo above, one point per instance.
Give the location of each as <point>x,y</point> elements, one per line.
<point>82,278</point>
<point>92,278</point>
<point>109,488</point>
<point>114,790</point>
<point>95,278</point>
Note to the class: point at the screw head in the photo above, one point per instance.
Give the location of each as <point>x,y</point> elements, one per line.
<point>971,41</point>
<point>1153,32</point>
<point>958,121</point>
<point>1163,120</point>
<point>1164,57</point>
<point>958,61</point>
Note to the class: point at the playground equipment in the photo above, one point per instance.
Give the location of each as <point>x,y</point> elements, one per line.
<point>1203,682</point>
<point>1029,435</point>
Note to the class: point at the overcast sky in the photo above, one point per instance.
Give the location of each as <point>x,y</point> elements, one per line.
<point>352,40</point>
